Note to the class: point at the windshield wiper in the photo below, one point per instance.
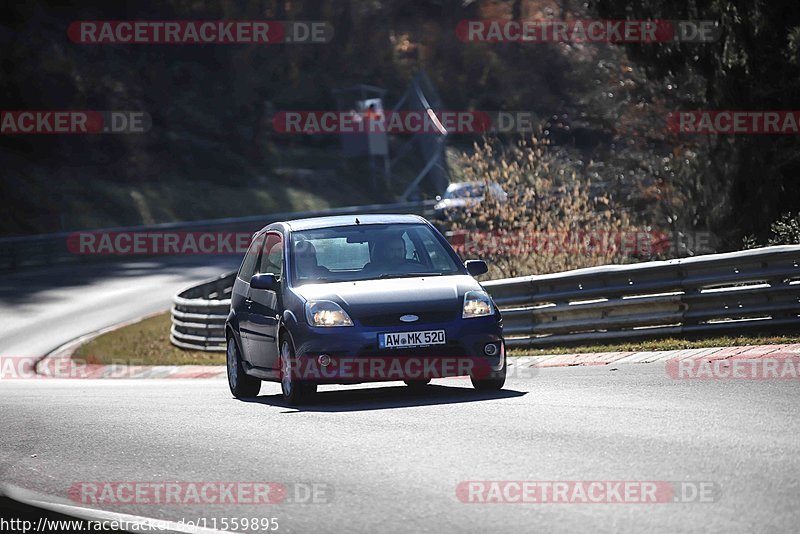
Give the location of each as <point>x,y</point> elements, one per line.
<point>407,275</point>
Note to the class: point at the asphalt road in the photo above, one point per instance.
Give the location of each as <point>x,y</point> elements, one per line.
<point>43,308</point>
<point>389,459</point>
<point>392,459</point>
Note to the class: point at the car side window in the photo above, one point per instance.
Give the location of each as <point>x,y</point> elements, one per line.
<point>272,258</point>
<point>248,268</point>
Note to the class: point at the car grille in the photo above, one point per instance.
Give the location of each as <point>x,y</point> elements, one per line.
<point>393,319</point>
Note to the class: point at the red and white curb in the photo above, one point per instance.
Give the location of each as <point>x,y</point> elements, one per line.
<point>749,352</point>
<point>52,363</point>
<point>517,365</point>
<point>145,371</point>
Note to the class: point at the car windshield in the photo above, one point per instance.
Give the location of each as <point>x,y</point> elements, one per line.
<point>363,252</point>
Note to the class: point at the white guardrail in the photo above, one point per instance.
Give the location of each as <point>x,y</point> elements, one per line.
<point>715,294</point>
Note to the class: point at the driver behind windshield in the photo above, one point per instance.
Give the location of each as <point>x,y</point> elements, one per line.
<point>305,258</point>
<point>389,256</point>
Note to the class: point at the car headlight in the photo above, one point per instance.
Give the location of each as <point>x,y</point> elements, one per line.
<point>477,304</point>
<point>326,313</point>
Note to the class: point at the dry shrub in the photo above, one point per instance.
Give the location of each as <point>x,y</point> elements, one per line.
<point>555,219</point>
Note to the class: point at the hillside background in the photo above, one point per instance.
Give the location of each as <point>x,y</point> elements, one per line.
<point>212,153</point>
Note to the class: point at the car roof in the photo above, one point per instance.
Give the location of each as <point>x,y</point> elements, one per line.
<point>349,220</point>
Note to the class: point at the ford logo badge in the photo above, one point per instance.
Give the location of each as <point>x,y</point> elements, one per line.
<point>409,318</point>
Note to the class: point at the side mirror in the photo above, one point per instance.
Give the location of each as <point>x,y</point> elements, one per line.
<point>266,281</point>
<point>476,267</point>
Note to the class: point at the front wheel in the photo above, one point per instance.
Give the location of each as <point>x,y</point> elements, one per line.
<point>494,381</point>
<point>294,391</point>
<point>242,385</point>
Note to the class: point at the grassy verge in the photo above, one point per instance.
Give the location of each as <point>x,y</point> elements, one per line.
<point>662,344</point>
<point>143,343</point>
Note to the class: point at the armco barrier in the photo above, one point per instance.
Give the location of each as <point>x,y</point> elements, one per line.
<point>713,294</point>
<point>716,293</point>
<point>199,313</point>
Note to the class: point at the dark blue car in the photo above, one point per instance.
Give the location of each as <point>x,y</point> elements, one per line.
<point>346,299</point>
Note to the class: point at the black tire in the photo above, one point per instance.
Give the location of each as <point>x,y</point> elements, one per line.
<point>295,392</point>
<point>417,384</point>
<point>493,382</point>
<point>243,386</point>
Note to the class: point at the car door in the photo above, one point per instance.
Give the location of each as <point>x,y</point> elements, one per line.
<point>265,309</point>
<point>240,298</point>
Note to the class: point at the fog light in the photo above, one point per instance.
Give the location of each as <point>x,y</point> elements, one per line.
<point>324,360</point>
<point>490,349</point>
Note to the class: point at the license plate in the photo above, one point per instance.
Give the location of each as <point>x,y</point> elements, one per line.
<point>411,339</point>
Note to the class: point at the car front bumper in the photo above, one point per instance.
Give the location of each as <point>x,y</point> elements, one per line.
<point>353,355</point>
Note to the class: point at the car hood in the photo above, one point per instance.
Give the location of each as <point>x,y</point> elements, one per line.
<point>395,295</point>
